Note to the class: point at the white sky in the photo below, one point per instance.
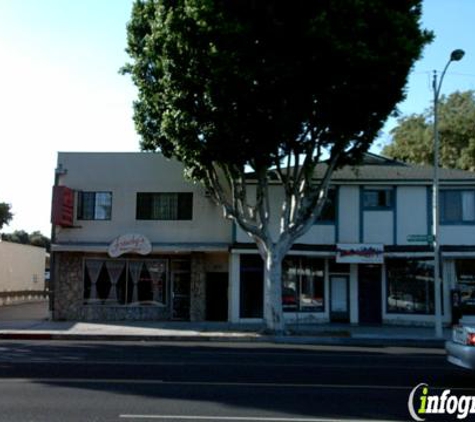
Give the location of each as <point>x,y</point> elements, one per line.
<point>60,89</point>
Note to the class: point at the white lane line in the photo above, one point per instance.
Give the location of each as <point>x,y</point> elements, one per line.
<point>219,384</point>
<point>241,418</point>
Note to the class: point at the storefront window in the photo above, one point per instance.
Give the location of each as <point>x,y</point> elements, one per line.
<point>125,282</point>
<point>410,286</point>
<point>303,284</point>
<point>465,270</point>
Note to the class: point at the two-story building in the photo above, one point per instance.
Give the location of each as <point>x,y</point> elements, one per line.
<point>134,240</point>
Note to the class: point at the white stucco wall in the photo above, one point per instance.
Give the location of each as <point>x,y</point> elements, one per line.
<point>412,213</point>
<point>22,267</point>
<point>125,174</point>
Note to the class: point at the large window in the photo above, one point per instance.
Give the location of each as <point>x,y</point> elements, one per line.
<point>125,282</point>
<point>457,206</point>
<point>378,199</point>
<point>303,284</point>
<point>410,285</point>
<point>94,205</point>
<point>465,270</point>
<point>164,206</point>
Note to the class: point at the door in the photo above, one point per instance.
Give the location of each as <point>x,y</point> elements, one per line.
<point>339,298</point>
<point>180,279</point>
<point>369,294</point>
<point>216,296</point>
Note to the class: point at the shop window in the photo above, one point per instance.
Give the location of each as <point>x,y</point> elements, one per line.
<point>164,206</point>
<point>125,282</point>
<point>410,286</point>
<point>457,206</point>
<point>303,284</point>
<point>465,270</point>
<point>377,199</point>
<point>328,214</point>
<point>94,205</point>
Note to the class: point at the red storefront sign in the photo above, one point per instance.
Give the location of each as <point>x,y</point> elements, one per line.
<point>63,206</point>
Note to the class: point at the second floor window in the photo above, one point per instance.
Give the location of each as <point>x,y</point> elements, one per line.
<point>457,206</point>
<point>94,205</point>
<point>164,206</point>
<point>377,199</point>
<point>328,214</point>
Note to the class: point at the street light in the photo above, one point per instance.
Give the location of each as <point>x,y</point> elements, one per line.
<point>455,56</point>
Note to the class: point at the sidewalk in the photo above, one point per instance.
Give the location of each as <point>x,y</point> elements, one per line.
<point>322,334</point>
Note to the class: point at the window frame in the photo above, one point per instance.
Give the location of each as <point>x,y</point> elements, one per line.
<point>186,215</point>
<point>329,222</point>
<point>442,207</point>
<point>80,206</point>
<point>390,194</point>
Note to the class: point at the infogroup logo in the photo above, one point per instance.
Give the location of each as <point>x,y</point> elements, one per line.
<point>421,404</point>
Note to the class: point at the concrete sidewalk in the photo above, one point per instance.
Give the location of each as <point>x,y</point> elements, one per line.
<point>321,334</point>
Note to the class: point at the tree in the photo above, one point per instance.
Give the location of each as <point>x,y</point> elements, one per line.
<point>231,86</point>
<point>35,238</point>
<point>413,137</point>
<point>5,214</point>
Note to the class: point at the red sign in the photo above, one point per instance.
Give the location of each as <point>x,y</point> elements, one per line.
<point>63,206</point>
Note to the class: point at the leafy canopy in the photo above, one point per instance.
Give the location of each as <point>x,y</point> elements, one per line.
<point>248,82</point>
<point>5,214</point>
<point>412,138</point>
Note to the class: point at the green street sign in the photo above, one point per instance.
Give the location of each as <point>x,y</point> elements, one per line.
<point>420,238</point>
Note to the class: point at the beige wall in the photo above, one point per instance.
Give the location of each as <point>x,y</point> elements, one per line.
<point>125,174</point>
<point>22,267</point>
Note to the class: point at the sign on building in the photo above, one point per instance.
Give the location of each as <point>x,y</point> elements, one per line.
<point>129,243</point>
<point>360,253</point>
<point>63,206</point>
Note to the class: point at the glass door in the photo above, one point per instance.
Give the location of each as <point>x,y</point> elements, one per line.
<point>181,280</point>
<point>339,308</point>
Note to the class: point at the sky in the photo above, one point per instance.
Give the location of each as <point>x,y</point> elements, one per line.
<point>60,89</point>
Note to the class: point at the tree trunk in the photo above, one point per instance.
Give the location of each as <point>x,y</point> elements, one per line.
<point>273,314</point>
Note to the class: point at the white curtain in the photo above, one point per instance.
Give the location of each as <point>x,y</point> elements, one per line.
<point>93,269</point>
<point>135,268</point>
<point>165,206</point>
<point>114,268</point>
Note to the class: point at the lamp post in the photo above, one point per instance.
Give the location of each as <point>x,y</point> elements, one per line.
<point>455,56</point>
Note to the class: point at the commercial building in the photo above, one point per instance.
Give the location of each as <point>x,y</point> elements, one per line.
<point>133,240</point>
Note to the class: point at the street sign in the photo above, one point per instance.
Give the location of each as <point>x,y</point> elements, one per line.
<point>420,238</point>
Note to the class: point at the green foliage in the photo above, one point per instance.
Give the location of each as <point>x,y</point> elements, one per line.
<point>5,214</point>
<point>412,138</point>
<point>35,238</point>
<point>245,82</point>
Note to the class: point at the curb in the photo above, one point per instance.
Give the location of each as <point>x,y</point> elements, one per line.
<point>291,340</point>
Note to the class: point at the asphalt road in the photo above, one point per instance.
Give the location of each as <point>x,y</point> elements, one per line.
<point>130,382</point>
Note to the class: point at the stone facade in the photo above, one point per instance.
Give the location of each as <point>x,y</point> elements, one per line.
<point>198,287</point>
<point>69,286</point>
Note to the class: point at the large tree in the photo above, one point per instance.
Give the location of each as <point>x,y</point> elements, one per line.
<point>5,214</point>
<point>231,86</point>
<point>413,137</point>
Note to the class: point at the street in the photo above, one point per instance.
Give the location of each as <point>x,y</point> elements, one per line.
<point>88,381</point>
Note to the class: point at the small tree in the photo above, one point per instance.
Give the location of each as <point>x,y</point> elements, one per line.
<point>5,214</point>
<point>413,137</point>
<point>227,86</point>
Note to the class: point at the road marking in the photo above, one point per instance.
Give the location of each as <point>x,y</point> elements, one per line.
<point>241,418</point>
<point>218,384</point>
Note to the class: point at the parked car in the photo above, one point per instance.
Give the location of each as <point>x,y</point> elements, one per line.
<point>461,348</point>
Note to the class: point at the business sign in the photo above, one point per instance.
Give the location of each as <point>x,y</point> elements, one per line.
<point>360,253</point>
<point>129,243</point>
<point>62,213</point>
<point>426,238</point>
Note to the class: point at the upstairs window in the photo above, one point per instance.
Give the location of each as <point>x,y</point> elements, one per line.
<point>457,206</point>
<point>328,214</point>
<point>377,199</point>
<point>164,206</point>
<point>94,205</point>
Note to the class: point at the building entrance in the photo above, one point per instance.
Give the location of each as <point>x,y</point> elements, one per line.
<point>369,294</point>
